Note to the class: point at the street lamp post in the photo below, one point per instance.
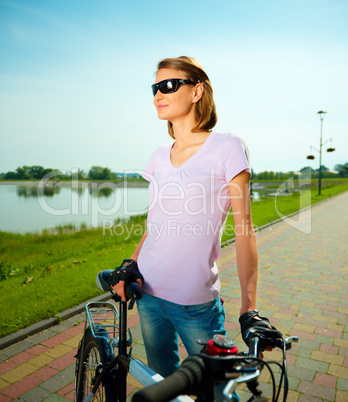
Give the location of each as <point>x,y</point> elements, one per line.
<point>321,115</point>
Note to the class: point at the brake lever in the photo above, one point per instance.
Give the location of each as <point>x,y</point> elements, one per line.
<point>288,341</point>
<point>232,384</point>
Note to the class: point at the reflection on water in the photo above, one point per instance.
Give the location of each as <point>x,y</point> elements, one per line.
<point>50,191</point>
<point>101,192</point>
<point>79,191</point>
<point>33,208</point>
<point>33,191</point>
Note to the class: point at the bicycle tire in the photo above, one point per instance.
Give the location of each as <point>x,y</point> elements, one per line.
<point>95,351</point>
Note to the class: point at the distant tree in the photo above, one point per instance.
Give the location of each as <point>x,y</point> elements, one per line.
<point>47,171</point>
<point>339,167</point>
<point>342,170</point>
<point>263,175</point>
<point>79,175</point>
<point>100,173</point>
<point>10,176</point>
<point>306,168</point>
<point>22,173</point>
<point>276,176</point>
<point>36,172</point>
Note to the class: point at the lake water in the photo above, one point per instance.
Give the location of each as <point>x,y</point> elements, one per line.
<point>27,208</point>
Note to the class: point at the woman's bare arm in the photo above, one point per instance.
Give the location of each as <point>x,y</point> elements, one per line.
<point>135,255</point>
<point>245,240</point>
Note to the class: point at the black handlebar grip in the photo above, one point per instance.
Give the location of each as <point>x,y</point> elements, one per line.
<point>185,380</point>
<point>134,291</point>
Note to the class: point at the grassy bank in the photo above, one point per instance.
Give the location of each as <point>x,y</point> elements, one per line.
<point>265,210</point>
<point>42,275</point>
<point>46,274</point>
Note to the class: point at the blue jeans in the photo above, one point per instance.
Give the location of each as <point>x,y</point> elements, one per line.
<point>162,321</point>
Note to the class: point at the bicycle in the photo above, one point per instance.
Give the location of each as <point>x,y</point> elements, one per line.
<point>102,361</point>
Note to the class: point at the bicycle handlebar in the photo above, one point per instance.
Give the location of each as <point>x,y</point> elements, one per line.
<point>198,373</point>
<point>184,380</point>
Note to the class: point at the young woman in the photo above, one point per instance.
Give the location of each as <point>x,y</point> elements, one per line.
<point>193,183</point>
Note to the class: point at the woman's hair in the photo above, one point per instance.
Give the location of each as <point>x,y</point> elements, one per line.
<point>206,116</point>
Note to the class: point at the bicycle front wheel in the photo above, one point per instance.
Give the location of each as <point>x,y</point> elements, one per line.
<point>96,353</point>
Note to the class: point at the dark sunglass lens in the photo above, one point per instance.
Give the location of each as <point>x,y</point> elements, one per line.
<point>165,87</point>
<point>168,86</point>
<point>154,89</point>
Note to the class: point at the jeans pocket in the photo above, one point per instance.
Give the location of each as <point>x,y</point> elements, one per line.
<point>199,311</point>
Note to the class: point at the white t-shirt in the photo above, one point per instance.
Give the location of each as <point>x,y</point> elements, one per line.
<point>188,206</point>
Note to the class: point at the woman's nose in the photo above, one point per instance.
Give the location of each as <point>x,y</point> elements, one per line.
<point>158,95</point>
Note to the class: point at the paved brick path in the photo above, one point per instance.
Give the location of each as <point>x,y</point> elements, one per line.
<point>302,288</point>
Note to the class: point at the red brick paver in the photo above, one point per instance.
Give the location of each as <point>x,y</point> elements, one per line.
<point>21,386</point>
<point>45,373</point>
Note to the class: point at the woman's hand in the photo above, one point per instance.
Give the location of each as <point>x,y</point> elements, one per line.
<point>126,273</point>
<point>120,288</point>
<point>250,320</point>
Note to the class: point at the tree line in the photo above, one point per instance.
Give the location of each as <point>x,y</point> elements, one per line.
<point>95,173</point>
<point>37,172</point>
<point>339,171</point>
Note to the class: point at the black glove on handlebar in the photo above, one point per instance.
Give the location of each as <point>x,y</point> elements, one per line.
<point>248,321</point>
<point>127,273</point>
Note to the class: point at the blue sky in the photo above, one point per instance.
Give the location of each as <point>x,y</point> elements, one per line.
<point>75,78</point>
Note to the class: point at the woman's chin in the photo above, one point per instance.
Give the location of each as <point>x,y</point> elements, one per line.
<point>161,116</point>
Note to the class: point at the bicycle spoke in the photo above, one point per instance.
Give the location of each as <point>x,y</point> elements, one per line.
<point>92,364</point>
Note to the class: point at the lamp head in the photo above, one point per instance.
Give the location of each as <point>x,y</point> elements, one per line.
<point>321,114</point>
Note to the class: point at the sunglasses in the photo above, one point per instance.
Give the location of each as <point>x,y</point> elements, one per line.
<point>169,86</point>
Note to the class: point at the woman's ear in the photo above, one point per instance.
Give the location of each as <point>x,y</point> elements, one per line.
<point>197,92</point>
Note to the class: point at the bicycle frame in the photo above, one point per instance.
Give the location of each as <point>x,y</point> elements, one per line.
<point>96,312</point>
<point>100,325</point>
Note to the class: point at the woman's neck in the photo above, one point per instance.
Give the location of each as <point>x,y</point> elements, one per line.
<point>184,136</point>
<point>191,139</point>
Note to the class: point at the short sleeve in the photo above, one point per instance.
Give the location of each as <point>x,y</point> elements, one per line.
<point>236,157</point>
<point>149,170</point>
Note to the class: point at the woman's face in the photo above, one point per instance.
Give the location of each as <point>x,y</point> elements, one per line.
<point>176,105</point>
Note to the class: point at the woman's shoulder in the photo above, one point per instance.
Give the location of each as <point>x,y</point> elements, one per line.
<point>228,141</point>
<point>228,137</point>
<point>233,152</point>
<point>164,147</point>
<point>162,150</point>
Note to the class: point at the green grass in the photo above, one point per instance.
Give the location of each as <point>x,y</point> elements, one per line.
<point>42,275</point>
<point>264,211</point>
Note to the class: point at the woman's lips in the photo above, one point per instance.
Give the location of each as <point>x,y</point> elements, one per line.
<point>159,107</point>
